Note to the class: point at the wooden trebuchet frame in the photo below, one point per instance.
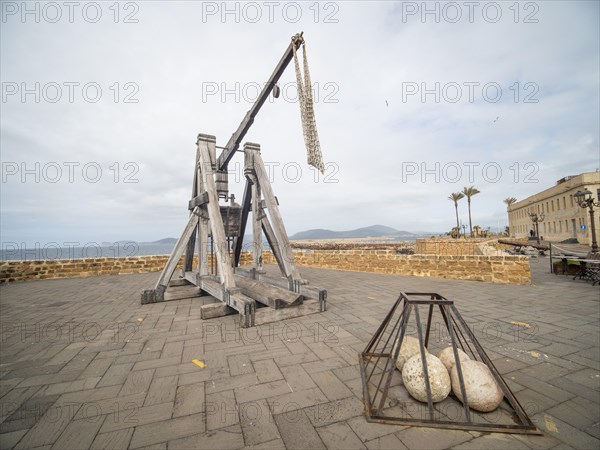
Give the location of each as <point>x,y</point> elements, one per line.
<point>216,233</point>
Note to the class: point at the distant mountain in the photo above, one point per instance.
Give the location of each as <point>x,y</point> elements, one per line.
<point>372,231</point>
<point>163,241</point>
<point>109,244</point>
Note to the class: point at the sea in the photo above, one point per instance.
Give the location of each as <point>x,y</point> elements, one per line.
<point>12,251</point>
<point>52,251</point>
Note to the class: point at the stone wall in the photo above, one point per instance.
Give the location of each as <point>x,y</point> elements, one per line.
<point>75,268</point>
<point>454,247</point>
<point>495,269</point>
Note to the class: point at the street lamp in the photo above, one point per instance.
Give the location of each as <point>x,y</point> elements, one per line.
<point>585,200</point>
<point>536,219</point>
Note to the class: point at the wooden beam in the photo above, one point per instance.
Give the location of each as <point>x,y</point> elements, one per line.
<point>189,252</point>
<point>179,282</point>
<point>257,227</point>
<point>239,241</point>
<point>213,310</point>
<point>272,240</point>
<point>179,293</point>
<point>257,212</point>
<point>237,137</point>
<point>278,226</point>
<point>203,226</point>
<point>269,315</point>
<point>205,145</point>
<point>306,290</point>
<point>245,305</point>
<point>198,200</point>
<point>180,246</point>
<point>268,294</point>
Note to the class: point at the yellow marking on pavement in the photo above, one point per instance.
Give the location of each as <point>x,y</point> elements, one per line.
<point>140,319</point>
<point>534,354</point>
<point>199,363</point>
<point>550,424</point>
<point>523,324</point>
<point>371,298</point>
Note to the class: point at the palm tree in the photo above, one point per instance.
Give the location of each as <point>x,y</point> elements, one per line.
<point>470,192</point>
<point>510,201</point>
<point>455,197</point>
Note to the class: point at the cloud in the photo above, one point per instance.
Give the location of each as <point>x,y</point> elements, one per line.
<point>181,70</point>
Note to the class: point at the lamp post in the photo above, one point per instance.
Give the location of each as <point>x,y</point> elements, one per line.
<point>536,219</point>
<point>585,200</point>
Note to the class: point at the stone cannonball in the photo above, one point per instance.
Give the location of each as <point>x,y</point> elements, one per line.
<point>410,347</point>
<point>413,378</point>
<point>483,393</point>
<point>447,357</point>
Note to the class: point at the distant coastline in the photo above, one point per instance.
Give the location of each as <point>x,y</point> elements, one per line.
<point>123,249</point>
<point>12,251</point>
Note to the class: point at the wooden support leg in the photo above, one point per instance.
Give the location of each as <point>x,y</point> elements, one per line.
<point>206,145</point>
<point>257,215</point>
<point>272,240</point>
<point>190,250</point>
<point>189,253</point>
<point>239,241</point>
<point>157,294</point>
<point>257,211</point>
<point>277,222</point>
<point>203,268</point>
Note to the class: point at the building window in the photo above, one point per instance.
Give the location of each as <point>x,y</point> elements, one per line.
<point>552,205</point>
<point>571,199</point>
<point>566,225</point>
<point>558,204</point>
<point>564,202</point>
<point>560,226</point>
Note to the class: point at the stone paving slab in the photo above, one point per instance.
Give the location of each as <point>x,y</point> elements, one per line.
<point>84,365</point>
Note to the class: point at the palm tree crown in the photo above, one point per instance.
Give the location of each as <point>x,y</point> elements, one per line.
<point>510,201</point>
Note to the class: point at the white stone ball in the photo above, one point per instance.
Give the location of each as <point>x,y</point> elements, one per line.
<point>447,357</point>
<point>483,393</point>
<point>413,378</point>
<point>410,347</point>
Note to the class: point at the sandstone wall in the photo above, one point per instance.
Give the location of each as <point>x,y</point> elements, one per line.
<point>495,269</point>
<point>455,247</point>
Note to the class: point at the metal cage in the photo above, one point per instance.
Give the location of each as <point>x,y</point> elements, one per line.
<point>387,401</point>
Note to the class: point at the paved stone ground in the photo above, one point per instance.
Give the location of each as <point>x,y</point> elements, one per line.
<point>84,365</point>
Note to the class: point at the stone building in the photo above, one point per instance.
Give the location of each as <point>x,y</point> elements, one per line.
<point>563,217</point>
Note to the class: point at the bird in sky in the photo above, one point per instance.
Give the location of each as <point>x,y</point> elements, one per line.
<point>386,103</point>
<point>496,119</point>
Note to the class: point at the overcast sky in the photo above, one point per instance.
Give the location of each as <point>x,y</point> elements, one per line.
<point>101,106</point>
